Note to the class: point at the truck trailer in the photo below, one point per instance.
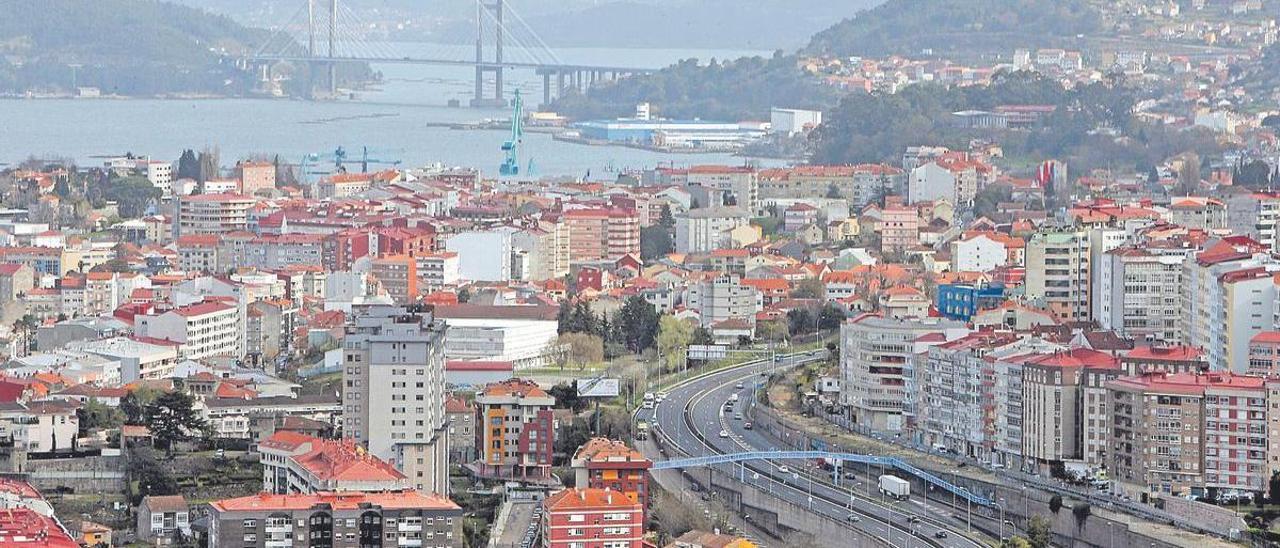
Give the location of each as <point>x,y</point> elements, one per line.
<point>895,486</point>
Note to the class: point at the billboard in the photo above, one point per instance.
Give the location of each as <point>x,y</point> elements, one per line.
<point>598,388</point>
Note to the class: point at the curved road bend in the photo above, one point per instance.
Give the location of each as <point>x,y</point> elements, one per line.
<point>692,416</point>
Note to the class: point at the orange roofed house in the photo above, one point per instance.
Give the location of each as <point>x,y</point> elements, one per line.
<point>515,434</point>
<point>298,463</point>
<point>336,520</point>
<point>604,463</point>
<point>592,518</point>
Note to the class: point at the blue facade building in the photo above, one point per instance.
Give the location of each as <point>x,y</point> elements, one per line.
<point>963,301</point>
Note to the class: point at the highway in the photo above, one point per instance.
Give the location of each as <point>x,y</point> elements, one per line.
<point>692,418</point>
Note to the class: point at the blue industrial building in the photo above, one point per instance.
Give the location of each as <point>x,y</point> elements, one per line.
<point>963,301</point>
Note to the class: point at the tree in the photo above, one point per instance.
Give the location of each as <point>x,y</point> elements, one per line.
<point>188,165</point>
<point>1189,175</point>
<point>147,477</point>
<point>799,321</point>
<point>1274,487</point>
<point>209,164</point>
<point>1255,174</point>
<point>702,335</point>
<point>833,191</point>
<point>134,404</point>
<point>1039,533</point>
<point>674,337</point>
<point>637,324</point>
<point>172,418</point>
<point>1055,503</point>
<point>655,241</point>
<point>95,415</point>
<point>566,396</point>
<point>581,349</point>
<point>809,288</point>
<point>665,219</point>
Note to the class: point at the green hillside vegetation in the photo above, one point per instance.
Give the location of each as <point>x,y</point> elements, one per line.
<point>729,90</point>
<point>911,26</point>
<point>1092,127</point>
<point>127,47</point>
<point>746,88</point>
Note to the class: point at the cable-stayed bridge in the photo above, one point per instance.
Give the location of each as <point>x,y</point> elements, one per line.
<point>325,33</point>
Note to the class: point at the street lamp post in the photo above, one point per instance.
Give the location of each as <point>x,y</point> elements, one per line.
<point>1001,507</point>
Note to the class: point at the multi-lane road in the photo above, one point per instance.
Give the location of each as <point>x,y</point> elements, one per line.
<point>692,418</point>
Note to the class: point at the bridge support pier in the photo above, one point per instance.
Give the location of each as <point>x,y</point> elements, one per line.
<point>546,89</point>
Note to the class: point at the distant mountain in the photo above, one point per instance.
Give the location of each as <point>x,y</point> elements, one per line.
<point>744,24</point>
<point>910,27</point>
<point>737,24</point>
<point>129,47</point>
<point>745,89</point>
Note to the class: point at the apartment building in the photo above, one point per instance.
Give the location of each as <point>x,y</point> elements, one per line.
<point>602,233</point>
<point>462,429</point>
<point>859,184</point>
<point>437,271</point>
<point>602,463</point>
<point>722,185</point>
<point>393,396</point>
<point>515,432</point>
<point>1138,292</point>
<point>202,330</point>
<point>1198,212</point>
<point>954,383</point>
<point>1255,214</point>
<point>875,364</point>
<point>899,228</point>
<point>256,176</point>
<point>398,275</point>
<point>1177,358</point>
<point>707,229</point>
<point>1264,355</point>
<point>298,463</point>
<point>1052,390</point>
<point>1058,273</point>
<point>592,518</point>
<point>1221,312</point>
<point>212,214</point>
<point>722,298</point>
<point>1183,433</point>
<point>336,520</point>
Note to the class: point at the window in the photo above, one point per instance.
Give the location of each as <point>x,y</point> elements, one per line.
<point>250,523</point>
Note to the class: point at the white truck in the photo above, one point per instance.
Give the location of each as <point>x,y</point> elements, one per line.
<point>895,486</point>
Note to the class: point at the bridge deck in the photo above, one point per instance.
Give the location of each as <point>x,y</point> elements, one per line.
<point>456,62</point>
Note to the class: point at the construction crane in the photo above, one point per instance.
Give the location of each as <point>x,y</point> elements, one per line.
<point>511,164</point>
<point>311,164</point>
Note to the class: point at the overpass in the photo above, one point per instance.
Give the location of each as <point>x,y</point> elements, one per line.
<point>326,37</point>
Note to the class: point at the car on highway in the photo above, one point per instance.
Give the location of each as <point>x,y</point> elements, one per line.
<point>746,425</point>
<point>724,433</point>
<point>940,534</point>
<point>853,518</point>
<point>737,416</point>
<point>738,386</point>
<point>913,519</point>
<point>783,469</point>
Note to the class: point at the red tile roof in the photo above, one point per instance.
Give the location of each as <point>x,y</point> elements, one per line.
<point>347,500</point>
<point>589,499</point>
<point>23,527</point>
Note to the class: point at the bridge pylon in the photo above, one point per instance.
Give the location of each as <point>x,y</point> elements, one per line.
<point>493,12</point>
